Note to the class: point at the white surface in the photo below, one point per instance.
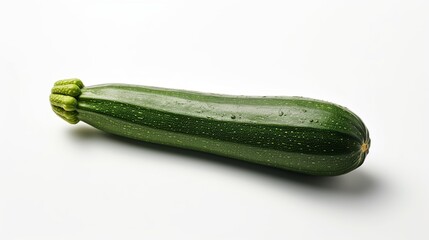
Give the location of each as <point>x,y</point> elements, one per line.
<point>59,181</point>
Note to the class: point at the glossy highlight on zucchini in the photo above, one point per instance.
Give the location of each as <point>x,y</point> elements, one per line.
<point>298,134</point>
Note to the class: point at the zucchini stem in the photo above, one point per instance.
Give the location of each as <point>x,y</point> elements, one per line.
<point>63,99</point>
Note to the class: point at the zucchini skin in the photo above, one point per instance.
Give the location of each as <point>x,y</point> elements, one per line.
<point>293,133</point>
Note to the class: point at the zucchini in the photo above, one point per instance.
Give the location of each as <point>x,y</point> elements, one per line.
<point>293,133</point>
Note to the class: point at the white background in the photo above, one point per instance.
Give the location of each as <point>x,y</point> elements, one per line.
<point>62,181</point>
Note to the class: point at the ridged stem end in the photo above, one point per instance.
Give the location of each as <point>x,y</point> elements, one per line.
<point>63,99</point>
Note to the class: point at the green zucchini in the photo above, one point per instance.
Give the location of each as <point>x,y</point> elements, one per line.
<point>294,133</point>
